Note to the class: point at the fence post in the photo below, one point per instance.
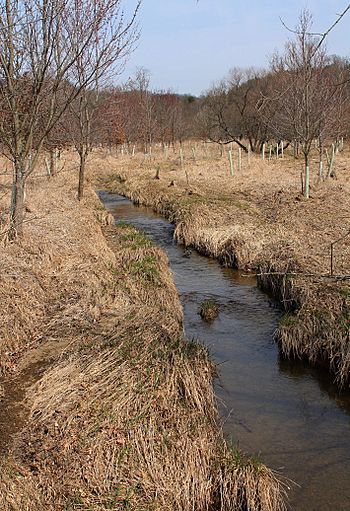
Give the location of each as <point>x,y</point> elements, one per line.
<point>332,252</point>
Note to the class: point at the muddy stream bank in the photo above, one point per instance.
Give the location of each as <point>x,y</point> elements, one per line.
<point>288,413</point>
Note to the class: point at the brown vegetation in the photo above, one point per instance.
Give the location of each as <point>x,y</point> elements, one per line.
<point>119,411</point>
<point>209,310</point>
<point>100,392</point>
<point>257,219</point>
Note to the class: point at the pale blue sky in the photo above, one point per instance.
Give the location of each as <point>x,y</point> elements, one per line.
<point>188,45</point>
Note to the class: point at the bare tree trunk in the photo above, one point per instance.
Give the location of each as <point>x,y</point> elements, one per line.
<point>82,156</point>
<point>52,162</point>
<point>307,176</point>
<point>17,201</point>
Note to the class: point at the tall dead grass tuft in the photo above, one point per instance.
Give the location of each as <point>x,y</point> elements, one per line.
<point>247,484</point>
<point>316,323</point>
<point>319,329</point>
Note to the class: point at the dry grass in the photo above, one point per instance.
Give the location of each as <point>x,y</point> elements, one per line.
<point>258,219</point>
<point>127,412</point>
<point>19,492</point>
<point>39,291</point>
<point>245,483</point>
<point>122,415</point>
<point>209,310</point>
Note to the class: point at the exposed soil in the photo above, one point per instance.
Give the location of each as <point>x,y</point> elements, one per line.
<point>13,411</point>
<point>14,408</point>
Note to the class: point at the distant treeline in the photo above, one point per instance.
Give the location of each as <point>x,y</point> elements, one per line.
<point>249,107</point>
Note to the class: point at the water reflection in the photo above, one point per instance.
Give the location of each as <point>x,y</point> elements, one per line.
<point>300,369</point>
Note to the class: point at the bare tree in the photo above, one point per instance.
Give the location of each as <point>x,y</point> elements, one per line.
<point>230,111</point>
<point>307,93</point>
<point>108,119</point>
<point>144,107</point>
<point>40,44</point>
<point>103,58</point>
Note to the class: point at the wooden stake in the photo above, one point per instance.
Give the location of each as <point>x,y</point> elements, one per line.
<point>327,157</point>
<point>47,165</point>
<point>302,182</point>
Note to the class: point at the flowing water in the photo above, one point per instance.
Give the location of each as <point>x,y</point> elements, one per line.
<point>287,413</point>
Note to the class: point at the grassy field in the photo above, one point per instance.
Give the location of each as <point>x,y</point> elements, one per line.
<point>258,220</point>
<point>104,405</point>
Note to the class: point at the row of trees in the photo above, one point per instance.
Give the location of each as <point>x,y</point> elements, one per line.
<point>54,55</point>
<point>131,115</point>
<point>55,59</point>
<point>138,115</point>
<point>288,103</point>
<point>303,97</point>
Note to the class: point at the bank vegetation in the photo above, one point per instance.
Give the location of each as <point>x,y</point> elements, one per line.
<point>257,221</point>
<point>106,405</point>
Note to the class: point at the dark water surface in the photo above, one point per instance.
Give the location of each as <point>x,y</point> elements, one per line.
<point>288,413</point>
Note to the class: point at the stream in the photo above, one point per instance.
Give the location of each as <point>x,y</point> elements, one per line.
<point>286,412</point>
